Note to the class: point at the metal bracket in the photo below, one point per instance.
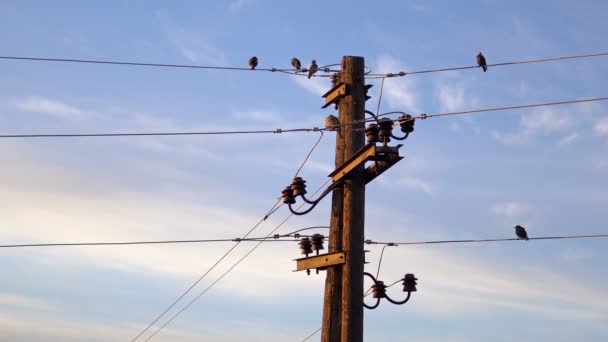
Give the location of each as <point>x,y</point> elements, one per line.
<point>334,94</point>
<point>320,261</point>
<point>383,156</point>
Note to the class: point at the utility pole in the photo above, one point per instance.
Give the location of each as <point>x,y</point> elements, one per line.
<point>343,304</point>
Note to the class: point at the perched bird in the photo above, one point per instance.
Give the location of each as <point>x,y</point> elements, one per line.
<point>332,123</point>
<point>296,64</point>
<point>521,232</point>
<point>313,68</point>
<point>481,61</point>
<point>253,62</point>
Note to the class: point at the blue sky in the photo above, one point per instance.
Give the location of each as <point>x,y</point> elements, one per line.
<point>463,177</point>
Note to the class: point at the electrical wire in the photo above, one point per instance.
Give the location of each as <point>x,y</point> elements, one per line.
<point>382,254</point>
<point>380,97</point>
<point>557,103</point>
<point>370,242</point>
<point>291,71</point>
<point>403,73</point>
<point>308,154</point>
<point>135,134</point>
<point>228,270</point>
<point>255,226</point>
<point>312,334</point>
<point>275,238</point>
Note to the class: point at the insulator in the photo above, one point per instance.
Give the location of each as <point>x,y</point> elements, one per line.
<point>409,283</point>
<point>385,129</point>
<point>379,289</point>
<point>288,197</point>
<point>372,133</point>
<point>298,185</point>
<point>305,246</point>
<point>407,123</point>
<point>317,242</point>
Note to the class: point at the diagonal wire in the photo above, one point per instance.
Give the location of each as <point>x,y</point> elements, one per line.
<point>380,97</point>
<point>308,154</point>
<point>311,335</point>
<point>229,270</point>
<point>206,273</point>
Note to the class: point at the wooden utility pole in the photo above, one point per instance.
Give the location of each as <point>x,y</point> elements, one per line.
<point>343,305</point>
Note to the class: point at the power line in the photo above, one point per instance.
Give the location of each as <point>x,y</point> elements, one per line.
<point>308,154</point>
<point>426,116</point>
<point>274,238</point>
<point>228,270</point>
<point>312,334</point>
<point>207,272</point>
<point>370,242</point>
<point>136,134</point>
<point>291,71</point>
<point>403,73</point>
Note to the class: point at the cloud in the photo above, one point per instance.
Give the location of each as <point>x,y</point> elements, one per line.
<point>454,285</point>
<point>510,209</point>
<point>19,301</point>
<point>50,107</point>
<point>397,92</point>
<point>262,116</point>
<point>416,184</point>
<point>540,122</point>
<point>601,127</point>
<point>237,5</point>
<point>576,254</point>
<point>194,46</point>
<point>568,139</point>
<point>316,85</point>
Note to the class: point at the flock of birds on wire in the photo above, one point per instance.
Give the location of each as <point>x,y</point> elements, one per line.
<point>253,63</point>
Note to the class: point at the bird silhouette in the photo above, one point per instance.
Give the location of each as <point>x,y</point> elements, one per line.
<point>296,64</point>
<point>253,62</point>
<point>481,61</point>
<point>521,232</point>
<point>313,68</point>
<point>332,123</point>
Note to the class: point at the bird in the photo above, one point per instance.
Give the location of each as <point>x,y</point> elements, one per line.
<point>332,123</point>
<point>253,62</point>
<point>313,68</point>
<point>481,61</point>
<point>296,64</point>
<point>521,232</point>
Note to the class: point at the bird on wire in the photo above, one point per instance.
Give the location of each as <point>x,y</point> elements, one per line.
<point>313,68</point>
<point>521,232</point>
<point>296,64</point>
<point>253,62</point>
<point>481,61</point>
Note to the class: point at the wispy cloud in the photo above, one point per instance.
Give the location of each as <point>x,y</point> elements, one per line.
<point>417,184</point>
<point>397,93</point>
<point>510,209</point>
<point>194,46</point>
<point>541,122</point>
<point>567,140</point>
<point>262,116</point>
<point>55,108</point>
<point>20,301</point>
<point>237,5</point>
<point>601,127</point>
<point>316,85</point>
